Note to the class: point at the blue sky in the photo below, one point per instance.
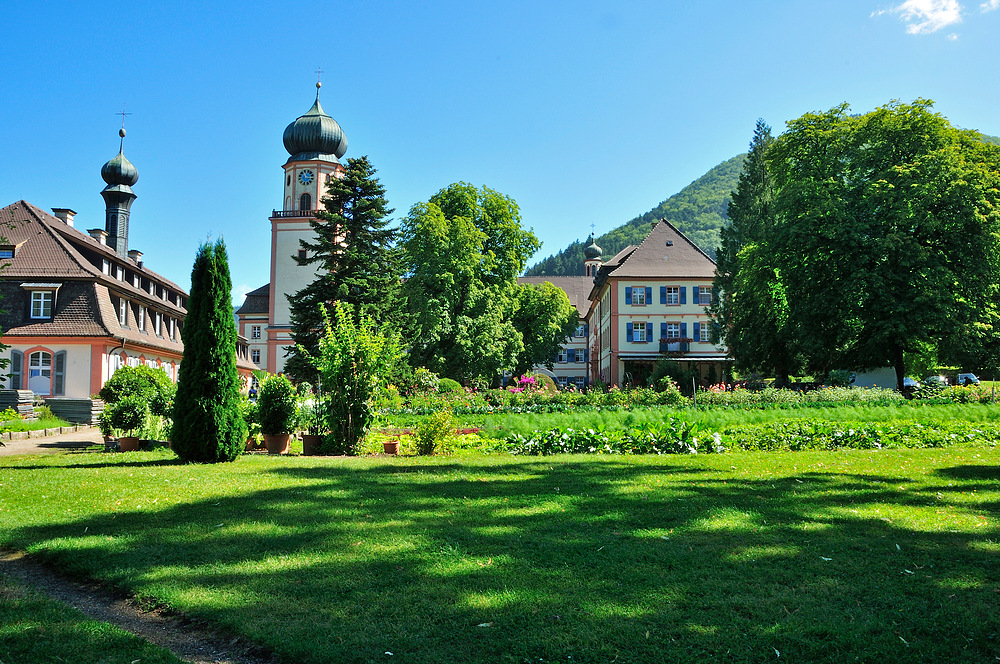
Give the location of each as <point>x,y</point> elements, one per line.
<point>584,112</point>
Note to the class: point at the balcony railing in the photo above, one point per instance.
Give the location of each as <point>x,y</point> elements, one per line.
<point>675,345</point>
<point>285,214</point>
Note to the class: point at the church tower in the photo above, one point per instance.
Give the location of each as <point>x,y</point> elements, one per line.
<point>315,144</point>
<point>592,257</point>
<point>120,175</point>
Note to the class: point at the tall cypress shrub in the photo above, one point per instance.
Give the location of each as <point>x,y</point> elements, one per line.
<point>208,422</point>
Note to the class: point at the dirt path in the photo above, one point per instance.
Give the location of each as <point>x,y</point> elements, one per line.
<point>67,442</point>
<point>191,641</point>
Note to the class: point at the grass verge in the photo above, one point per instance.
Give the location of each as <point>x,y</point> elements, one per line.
<point>35,628</point>
<point>885,555</point>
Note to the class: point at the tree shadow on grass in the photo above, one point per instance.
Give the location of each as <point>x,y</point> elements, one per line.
<point>553,560</point>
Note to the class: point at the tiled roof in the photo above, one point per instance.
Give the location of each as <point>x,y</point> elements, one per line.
<point>256,301</point>
<point>666,252</point>
<point>77,314</point>
<point>577,288</point>
<point>48,246</point>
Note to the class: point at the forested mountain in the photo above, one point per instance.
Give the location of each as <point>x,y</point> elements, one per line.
<point>698,210</point>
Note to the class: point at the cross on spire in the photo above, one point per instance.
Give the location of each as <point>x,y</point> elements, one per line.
<point>319,72</point>
<point>123,114</point>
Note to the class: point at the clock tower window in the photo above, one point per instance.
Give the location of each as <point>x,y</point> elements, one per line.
<point>305,202</point>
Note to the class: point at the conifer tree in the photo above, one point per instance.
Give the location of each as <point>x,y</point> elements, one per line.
<point>751,313</point>
<point>208,424</point>
<point>358,265</point>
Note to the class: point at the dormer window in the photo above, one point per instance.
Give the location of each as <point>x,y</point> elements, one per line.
<point>42,300</point>
<point>41,304</point>
<point>6,251</point>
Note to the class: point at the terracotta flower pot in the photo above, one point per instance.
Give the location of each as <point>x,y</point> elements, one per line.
<point>128,443</point>
<point>253,445</point>
<point>311,443</point>
<point>277,443</point>
<point>391,447</point>
<point>110,444</point>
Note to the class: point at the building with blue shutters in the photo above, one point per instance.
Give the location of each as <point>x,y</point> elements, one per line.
<point>649,302</point>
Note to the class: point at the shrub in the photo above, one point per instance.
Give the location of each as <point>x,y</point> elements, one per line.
<point>153,385</point>
<point>433,432</point>
<point>276,405</point>
<point>839,378</point>
<point>128,413</point>
<point>447,385</point>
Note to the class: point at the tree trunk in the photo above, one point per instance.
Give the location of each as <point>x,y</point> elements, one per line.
<point>897,363</point>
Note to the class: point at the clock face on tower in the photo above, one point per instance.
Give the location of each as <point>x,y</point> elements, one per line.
<point>305,177</point>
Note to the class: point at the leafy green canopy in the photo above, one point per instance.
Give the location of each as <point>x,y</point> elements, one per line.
<point>355,259</point>
<point>152,385</point>
<point>208,424</point>
<point>463,250</point>
<point>885,237</point>
<point>545,318</point>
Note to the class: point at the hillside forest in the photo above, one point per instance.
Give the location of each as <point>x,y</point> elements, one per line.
<point>698,210</point>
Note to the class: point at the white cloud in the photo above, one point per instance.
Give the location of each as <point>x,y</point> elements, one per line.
<point>990,5</point>
<point>927,16</point>
<point>953,36</point>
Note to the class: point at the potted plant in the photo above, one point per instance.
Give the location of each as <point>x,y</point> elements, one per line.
<point>276,410</point>
<point>128,414</point>
<point>251,415</point>
<point>310,421</point>
<point>108,430</point>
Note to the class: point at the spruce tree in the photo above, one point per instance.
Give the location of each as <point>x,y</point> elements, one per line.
<point>358,265</point>
<point>208,424</point>
<point>751,314</point>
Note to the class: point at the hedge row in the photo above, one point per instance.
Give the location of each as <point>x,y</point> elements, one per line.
<point>679,437</point>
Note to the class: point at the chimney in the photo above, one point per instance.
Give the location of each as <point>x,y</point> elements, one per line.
<point>99,234</point>
<point>135,255</point>
<point>65,214</point>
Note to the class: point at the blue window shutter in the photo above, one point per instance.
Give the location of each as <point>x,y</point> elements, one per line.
<point>697,331</point>
<point>628,331</point>
<point>684,297</point>
<point>663,294</point>
<point>16,364</point>
<point>586,355</point>
<point>649,332</point>
<point>571,355</point>
<point>649,294</point>
<point>663,330</point>
<point>586,330</point>
<point>684,333</point>
<point>628,295</point>
<point>715,294</point>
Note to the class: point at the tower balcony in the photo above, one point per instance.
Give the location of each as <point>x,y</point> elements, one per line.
<point>287,214</point>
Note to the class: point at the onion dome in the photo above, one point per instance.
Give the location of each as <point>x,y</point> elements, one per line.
<point>315,135</point>
<point>592,251</point>
<point>120,171</point>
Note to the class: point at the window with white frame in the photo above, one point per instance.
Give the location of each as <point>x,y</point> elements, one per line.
<point>638,295</point>
<point>255,356</point>
<point>579,331</point>
<point>673,331</point>
<point>41,303</point>
<point>639,332</point>
<point>673,295</point>
<point>173,329</point>
<point>581,381</point>
<point>704,295</point>
<point>158,324</point>
<point>106,266</point>
<point>255,331</point>
<point>562,381</point>
<point>562,355</point>
<point>705,332</point>
<point>40,372</point>
<point>141,319</point>
<point>122,311</point>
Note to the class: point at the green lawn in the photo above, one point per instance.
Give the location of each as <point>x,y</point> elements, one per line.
<point>889,555</point>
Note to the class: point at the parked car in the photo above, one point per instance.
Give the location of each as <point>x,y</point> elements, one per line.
<point>911,383</point>
<point>936,381</point>
<point>967,379</point>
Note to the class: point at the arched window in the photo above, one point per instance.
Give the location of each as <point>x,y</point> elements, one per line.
<point>40,372</point>
<point>305,202</point>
